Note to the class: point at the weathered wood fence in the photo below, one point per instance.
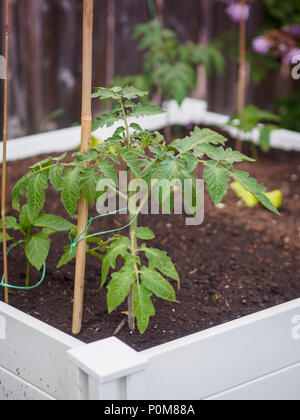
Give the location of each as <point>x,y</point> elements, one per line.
<point>45,54</point>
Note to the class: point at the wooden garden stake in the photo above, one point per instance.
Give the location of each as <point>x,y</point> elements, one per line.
<point>88,12</point>
<point>4,167</point>
<point>242,71</point>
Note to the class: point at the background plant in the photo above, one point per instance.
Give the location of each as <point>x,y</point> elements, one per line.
<point>254,118</point>
<point>170,66</point>
<point>145,271</point>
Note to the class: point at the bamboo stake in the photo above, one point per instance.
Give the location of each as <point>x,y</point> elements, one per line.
<point>86,131</point>
<point>4,165</point>
<point>242,71</point>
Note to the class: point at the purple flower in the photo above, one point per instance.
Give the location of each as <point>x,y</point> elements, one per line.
<point>261,45</point>
<point>294,30</point>
<point>288,59</point>
<point>237,12</point>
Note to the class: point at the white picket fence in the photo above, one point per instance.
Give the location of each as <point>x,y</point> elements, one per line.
<point>254,358</point>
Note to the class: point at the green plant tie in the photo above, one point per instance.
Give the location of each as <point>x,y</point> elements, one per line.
<point>79,238</point>
<point>152,9</point>
<point>9,286</point>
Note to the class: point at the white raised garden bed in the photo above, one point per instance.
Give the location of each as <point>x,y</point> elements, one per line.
<point>256,357</point>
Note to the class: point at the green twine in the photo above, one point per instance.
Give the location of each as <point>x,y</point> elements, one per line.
<point>74,244</point>
<point>9,286</point>
<point>80,237</point>
<point>152,9</point>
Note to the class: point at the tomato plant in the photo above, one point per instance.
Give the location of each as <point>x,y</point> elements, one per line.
<point>146,271</point>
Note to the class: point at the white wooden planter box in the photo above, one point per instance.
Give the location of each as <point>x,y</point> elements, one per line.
<point>254,358</point>
<point>257,357</point>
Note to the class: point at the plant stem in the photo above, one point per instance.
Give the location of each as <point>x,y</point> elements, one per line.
<point>27,282</point>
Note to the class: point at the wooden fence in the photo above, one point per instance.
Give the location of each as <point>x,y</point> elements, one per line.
<point>45,54</point>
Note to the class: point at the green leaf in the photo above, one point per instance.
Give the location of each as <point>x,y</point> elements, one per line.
<point>36,194</point>
<point>131,159</point>
<point>49,221</point>
<point>143,307</point>
<point>108,170</point>
<point>136,127</point>
<point>256,189</point>
<point>120,285</point>
<point>265,138</point>
<point>70,190</point>
<point>119,248</point>
<point>8,237</point>
<point>10,223</point>
<point>144,233</point>
<point>19,189</point>
<point>160,260</point>
<point>24,218</point>
<point>107,120</point>
<point>217,179</point>
<point>67,257</point>
<point>37,250</point>
<point>143,110</point>
<point>131,92</point>
<point>88,184</point>
<point>197,138</point>
<point>154,282</point>
<point>56,176</point>
<point>224,156</point>
<point>107,93</point>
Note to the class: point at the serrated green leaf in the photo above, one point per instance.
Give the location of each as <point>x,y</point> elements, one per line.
<point>120,285</point>
<point>256,189</point>
<point>160,260</point>
<point>19,189</point>
<point>70,193</point>
<point>131,92</point>
<point>109,171</point>
<point>136,127</point>
<point>143,307</point>
<point>107,120</point>
<point>155,282</point>
<point>197,138</point>
<point>119,248</point>
<point>52,222</point>
<point>143,110</point>
<point>36,194</point>
<point>37,250</point>
<point>108,93</point>
<point>131,159</point>
<point>144,233</point>
<point>24,219</point>
<point>224,156</point>
<point>217,179</point>
<point>56,175</point>
<point>88,185</point>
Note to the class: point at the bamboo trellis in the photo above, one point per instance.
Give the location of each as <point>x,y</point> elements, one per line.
<point>86,119</point>
<point>4,166</point>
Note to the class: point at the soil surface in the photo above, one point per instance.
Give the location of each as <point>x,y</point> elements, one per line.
<point>249,258</point>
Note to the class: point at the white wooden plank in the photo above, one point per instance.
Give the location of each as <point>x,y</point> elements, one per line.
<point>283,385</point>
<point>224,357</point>
<point>35,352</point>
<point>13,388</point>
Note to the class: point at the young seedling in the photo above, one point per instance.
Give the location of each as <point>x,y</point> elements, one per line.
<point>146,271</point>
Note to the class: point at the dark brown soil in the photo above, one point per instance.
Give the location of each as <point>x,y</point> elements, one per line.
<point>249,258</point>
